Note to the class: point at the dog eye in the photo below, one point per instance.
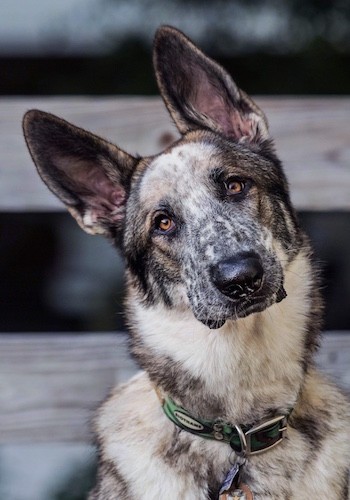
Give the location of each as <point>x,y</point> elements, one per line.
<point>234,186</point>
<point>164,224</point>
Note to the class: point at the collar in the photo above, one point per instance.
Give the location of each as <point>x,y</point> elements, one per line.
<point>245,441</point>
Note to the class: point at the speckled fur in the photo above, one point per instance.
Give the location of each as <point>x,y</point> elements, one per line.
<point>240,361</point>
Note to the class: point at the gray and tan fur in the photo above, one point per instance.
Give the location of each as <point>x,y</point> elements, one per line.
<point>216,200</point>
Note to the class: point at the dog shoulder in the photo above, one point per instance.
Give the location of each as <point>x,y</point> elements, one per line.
<point>128,407</point>
<point>129,426</point>
<point>119,423</point>
<point>322,418</point>
<point>138,445</point>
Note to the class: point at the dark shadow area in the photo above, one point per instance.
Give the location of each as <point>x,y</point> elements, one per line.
<point>54,277</point>
<point>291,47</point>
<point>318,71</point>
<point>330,236</point>
<point>116,73</point>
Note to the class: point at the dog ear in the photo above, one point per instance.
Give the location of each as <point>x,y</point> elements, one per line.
<point>90,175</point>
<point>199,93</point>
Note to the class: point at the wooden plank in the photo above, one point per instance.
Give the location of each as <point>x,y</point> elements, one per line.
<point>312,138</point>
<point>50,385</point>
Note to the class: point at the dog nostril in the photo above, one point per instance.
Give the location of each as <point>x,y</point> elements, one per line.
<point>239,276</point>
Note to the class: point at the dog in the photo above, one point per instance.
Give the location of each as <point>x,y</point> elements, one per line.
<point>223,300</point>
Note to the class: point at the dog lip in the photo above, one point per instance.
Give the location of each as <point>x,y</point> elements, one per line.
<point>243,310</point>
<point>281,294</point>
<point>259,304</point>
<point>246,310</point>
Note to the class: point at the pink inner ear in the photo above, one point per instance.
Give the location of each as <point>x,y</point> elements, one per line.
<point>212,105</point>
<point>244,126</point>
<point>103,197</point>
<point>117,197</point>
<point>213,102</point>
<point>230,121</point>
<point>106,192</point>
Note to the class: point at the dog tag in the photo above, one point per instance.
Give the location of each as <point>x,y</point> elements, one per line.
<point>236,494</point>
<point>243,492</point>
<point>229,489</point>
<point>229,481</point>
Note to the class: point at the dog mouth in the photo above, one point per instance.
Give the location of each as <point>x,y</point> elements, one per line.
<point>235,287</point>
<point>242,309</point>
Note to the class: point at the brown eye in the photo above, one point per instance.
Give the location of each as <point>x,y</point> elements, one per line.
<point>234,186</point>
<point>164,223</point>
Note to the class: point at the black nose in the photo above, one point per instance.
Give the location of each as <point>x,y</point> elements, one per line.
<point>239,276</point>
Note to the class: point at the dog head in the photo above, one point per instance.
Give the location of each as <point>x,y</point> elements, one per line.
<point>205,225</point>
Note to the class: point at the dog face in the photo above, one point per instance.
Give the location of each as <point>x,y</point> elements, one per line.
<point>207,224</point>
<point>202,216</point>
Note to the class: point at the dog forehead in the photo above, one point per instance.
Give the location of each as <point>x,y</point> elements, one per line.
<point>176,170</point>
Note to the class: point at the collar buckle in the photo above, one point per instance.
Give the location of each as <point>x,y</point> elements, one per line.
<point>261,437</point>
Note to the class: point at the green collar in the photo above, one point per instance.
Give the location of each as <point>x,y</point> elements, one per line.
<point>244,441</point>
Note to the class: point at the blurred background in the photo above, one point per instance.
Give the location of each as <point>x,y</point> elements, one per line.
<point>50,278</point>
<point>99,47</point>
<point>104,46</point>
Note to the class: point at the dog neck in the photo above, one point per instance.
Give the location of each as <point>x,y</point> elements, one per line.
<point>243,372</point>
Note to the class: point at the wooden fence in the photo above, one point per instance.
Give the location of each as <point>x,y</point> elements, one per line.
<point>50,384</point>
<point>312,137</point>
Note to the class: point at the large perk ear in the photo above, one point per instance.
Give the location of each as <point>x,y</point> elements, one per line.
<point>199,93</point>
<point>90,175</point>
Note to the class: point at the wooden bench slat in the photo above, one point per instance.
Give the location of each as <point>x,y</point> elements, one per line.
<point>312,138</point>
<point>50,385</point>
